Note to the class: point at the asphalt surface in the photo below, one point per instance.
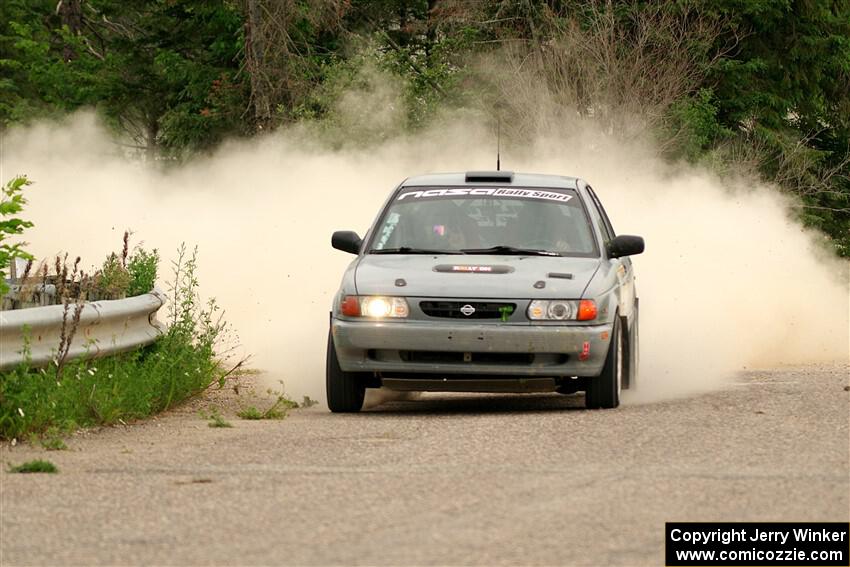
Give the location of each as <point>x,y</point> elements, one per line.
<point>448,479</point>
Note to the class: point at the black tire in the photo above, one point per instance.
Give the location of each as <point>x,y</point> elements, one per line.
<point>603,391</point>
<point>632,362</point>
<point>345,390</point>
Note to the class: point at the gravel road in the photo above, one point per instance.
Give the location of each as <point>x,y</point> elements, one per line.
<point>448,479</point>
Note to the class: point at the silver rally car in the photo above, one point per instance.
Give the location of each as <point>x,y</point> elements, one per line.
<point>487,281</point>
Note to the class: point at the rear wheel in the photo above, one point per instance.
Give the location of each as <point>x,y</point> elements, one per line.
<point>603,391</point>
<point>345,390</point>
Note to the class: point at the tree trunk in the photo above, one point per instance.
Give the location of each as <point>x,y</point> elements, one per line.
<point>71,13</point>
<point>255,52</point>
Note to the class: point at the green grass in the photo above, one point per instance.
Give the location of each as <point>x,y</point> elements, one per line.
<point>36,466</point>
<point>127,386</point>
<point>278,410</point>
<point>52,440</point>
<point>216,420</point>
<point>250,413</point>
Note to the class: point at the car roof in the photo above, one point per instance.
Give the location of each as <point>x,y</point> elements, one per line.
<point>517,180</point>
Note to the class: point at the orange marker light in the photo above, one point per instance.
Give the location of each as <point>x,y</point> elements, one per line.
<point>350,306</point>
<point>586,310</point>
<point>400,309</point>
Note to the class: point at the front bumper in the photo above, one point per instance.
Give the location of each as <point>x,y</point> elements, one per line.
<point>400,347</point>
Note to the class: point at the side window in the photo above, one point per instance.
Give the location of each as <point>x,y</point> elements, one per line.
<point>604,222</point>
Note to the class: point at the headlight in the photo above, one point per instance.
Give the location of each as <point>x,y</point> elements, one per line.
<point>376,307</point>
<point>562,310</point>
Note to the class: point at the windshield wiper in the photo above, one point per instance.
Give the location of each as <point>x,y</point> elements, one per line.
<point>409,250</point>
<point>509,250</point>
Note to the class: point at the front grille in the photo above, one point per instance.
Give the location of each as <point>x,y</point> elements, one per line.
<point>439,357</point>
<point>459,309</point>
<point>537,359</point>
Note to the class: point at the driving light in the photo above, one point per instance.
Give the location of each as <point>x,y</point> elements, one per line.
<point>562,310</point>
<point>376,307</point>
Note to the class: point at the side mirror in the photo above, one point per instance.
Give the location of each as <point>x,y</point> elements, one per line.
<point>347,241</point>
<point>625,245</point>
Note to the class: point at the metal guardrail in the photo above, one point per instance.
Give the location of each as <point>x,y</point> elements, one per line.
<point>24,296</point>
<point>105,327</point>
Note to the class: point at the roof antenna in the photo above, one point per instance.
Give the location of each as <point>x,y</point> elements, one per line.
<point>498,107</point>
<point>499,143</point>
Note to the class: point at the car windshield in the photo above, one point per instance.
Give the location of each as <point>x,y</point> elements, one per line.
<point>485,220</point>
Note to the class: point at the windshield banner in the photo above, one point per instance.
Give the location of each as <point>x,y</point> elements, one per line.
<point>487,192</point>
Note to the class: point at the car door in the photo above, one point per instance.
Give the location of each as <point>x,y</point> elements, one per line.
<point>621,266</point>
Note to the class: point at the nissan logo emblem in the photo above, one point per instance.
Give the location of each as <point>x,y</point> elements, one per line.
<point>467,309</point>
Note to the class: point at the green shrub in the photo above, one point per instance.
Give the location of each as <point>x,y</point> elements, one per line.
<point>113,279</point>
<point>142,267</point>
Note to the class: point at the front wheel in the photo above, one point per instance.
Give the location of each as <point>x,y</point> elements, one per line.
<point>344,389</point>
<point>632,349</point>
<point>603,391</point>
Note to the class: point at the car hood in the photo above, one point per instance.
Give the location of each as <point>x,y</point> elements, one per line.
<point>474,276</point>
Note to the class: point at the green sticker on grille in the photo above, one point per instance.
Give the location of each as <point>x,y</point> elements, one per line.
<point>506,312</point>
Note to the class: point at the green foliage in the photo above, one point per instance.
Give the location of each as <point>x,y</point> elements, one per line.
<point>216,419</point>
<point>127,277</point>
<point>693,126</point>
<point>113,279</point>
<point>11,203</point>
<point>36,82</point>
<point>250,413</point>
<point>430,73</point>
<point>278,410</point>
<point>164,73</point>
<point>784,89</point>
<point>142,267</point>
<point>52,440</point>
<point>36,466</point>
<point>132,385</point>
<point>790,64</point>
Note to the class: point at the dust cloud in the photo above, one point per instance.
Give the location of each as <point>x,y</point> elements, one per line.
<point>728,281</point>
